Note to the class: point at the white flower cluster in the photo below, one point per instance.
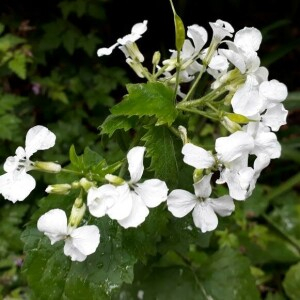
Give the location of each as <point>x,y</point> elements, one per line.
<point>237,160</point>
<point>253,99</point>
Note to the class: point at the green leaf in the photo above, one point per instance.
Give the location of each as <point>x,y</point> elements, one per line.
<point>18,64</point>
<point>69,40</point>
<point>144,241</point>
<point>9,41</point>
<point>291,282</point>
<point>225,275</point>
<point>77,161</point>
<point>150,99</point>
<point>162,148</point>
<point>113,123</point>
<point>98,277</point>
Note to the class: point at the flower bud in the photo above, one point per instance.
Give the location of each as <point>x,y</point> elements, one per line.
<point>116,180</point>
<point>60,189</point>
<point>156,58</point>
<point>86,184</point>
<point>77,212</point>
<point>183,134</point>
<point>49,167</point>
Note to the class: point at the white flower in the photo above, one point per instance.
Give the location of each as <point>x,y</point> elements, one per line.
<point>128,203</point>
<point>16,184</point>
<point>181,202</point>
<point>136,32</point>
<point>275,117</point>
<point>79,242</point>
<point>221,29</point>
<point>197,157</point>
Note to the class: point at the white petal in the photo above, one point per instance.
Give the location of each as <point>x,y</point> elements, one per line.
<point>197,157</point>
<point>181,202</point>
<point>16,186</point>
<point>248,39</point>
<point>123,204</point>
<point>199,36</point>
<point>152,192</point>
<point>38,138</point>
<point>106,51</point>
<point>73,252</point>
<point>219,62</point>
<point>138,213</point>
<point>273,90</point>
<point>54,225</point>
<point>135,163</point>
<point>204,217</point>
<point>221,29</point>
<point>223,206</point>
<point>246,101</point>
<point>267,143</point>
<point>139,28</point>
<point>235,58</point>
<point>275,117</point>
<point>231,147</point>
<point>261,162</point>
<point>202,187</point>
<point>99,200</point>
<point>86,239</point>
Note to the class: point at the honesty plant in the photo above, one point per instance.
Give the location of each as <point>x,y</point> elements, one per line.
<point>239,101</point>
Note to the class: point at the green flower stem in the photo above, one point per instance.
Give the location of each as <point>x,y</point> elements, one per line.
<point>195,83</point>
<point>72,172</point>
<point>178,66</point>
<point>207,98</point>
<point>201,113</point>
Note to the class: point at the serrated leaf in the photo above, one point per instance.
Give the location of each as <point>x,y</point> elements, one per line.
<point>113,123</point>
<point>18,64</point>
<point>9,41</point>
<point>162,148</point>
<point>291,282</point>
<point>98,277</point>
<point>148,99</point>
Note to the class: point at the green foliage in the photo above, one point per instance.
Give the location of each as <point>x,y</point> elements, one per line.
<point>99,276</point>
<point>162,148</point>
<point>291,282</point>
<point>150,99</point>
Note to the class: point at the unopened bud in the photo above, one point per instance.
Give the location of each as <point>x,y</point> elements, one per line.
<point>156,58</point>
<point>86,184</point>
<point>77,212</point>
<point>49,167</point>
<point>116,180</point>
<point>183,134</point>
<point>61,189</point>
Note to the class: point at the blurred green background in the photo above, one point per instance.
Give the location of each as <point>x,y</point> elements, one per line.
<point>50,75</point>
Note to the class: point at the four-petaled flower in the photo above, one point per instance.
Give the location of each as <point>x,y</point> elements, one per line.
<point>128,203</point>
<point>181,202</point>
<point>16,184</point>
<point>79,242</point>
